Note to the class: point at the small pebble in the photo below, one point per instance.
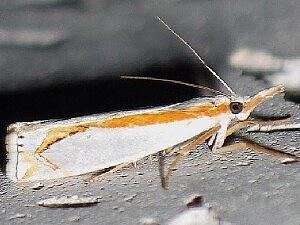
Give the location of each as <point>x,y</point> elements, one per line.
<point>124,175</point>
<point>37,186</point>
<point>64,202</point>
<point>195,201</point>
<point>130,198</point>
<point>16,216</point>
<point>54,185</point>
<point>252,181</point>
<point>287,161</point>
<point>223,159</point>
<point>216,157</point>
<point>243,164</point>
<point>74,218</point>
<point>148,221</point>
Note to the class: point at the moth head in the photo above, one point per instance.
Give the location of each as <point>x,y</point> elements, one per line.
<point>242,108</point>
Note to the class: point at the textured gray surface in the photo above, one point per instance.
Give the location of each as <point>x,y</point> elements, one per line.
<point>114,39</point>
<point>261,192</point>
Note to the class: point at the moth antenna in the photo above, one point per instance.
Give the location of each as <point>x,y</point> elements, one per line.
<point>177,82</point>
<point>198,56</point>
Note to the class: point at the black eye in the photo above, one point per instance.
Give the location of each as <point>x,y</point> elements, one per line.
<point>236,107</point>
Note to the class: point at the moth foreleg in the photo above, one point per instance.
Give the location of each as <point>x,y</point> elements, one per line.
<point>270,128</point>
<point>254,123</point>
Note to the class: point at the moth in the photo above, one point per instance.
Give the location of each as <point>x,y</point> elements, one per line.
<point>45,150</point>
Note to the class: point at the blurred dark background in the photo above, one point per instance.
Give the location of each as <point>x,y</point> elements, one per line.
<point>63,58</point>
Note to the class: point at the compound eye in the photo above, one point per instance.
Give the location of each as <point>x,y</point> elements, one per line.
<point>236,107</point>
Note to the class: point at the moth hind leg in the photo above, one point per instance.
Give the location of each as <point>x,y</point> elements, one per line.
<point>245,143</point>
<point>189,146</point>
<point>99,175</point>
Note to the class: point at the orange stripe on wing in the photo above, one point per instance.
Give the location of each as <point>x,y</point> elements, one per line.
<point>161,116</point>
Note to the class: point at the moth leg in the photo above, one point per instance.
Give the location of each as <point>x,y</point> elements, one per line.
<point>211,140</point>
<point>161,159</point>
<point>255,122</point>
<point>107,172</point>
<point>192,143</point>
<point>161,168</point>
<point>179,145</point>
<point>270,128</point>
<point>182,144</point>
<point>243,144</point>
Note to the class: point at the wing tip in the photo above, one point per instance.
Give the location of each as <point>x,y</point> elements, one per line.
<point>11,142</point>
